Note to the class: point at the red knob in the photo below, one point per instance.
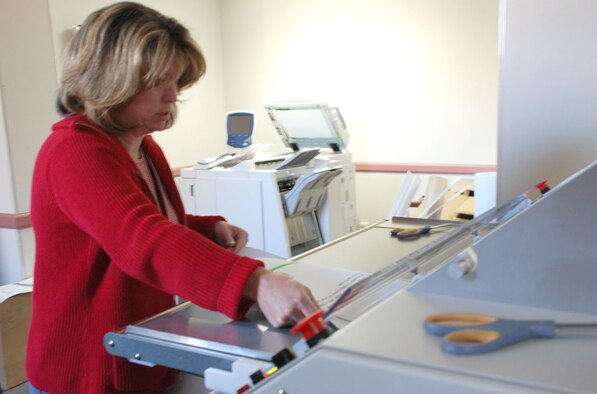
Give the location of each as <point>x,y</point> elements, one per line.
<point>543,186</point>
<point>310,326</point>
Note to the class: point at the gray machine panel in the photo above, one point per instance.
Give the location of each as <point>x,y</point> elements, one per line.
<point>532,262</point>
<point>539,264</point>
<point>388,351</point>
<point>192,339</point>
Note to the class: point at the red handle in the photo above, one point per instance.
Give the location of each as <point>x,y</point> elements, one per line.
<point>310,325</point>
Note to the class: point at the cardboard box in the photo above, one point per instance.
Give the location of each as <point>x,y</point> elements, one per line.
<point>15,318</point>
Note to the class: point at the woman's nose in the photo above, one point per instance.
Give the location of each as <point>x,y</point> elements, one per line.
<point>170,93</point>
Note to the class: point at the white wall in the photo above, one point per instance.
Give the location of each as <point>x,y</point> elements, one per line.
<point>415,80</point>
<point>27,86</point>
<point>10,241</point>
<point>548,80</point>
<point>199,130</point>
<point>33,34</point>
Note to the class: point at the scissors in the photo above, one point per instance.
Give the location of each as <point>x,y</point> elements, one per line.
<point>470,333</point>
<point>414,233</point>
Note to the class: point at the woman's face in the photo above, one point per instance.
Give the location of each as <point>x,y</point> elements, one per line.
<point>150,109</point>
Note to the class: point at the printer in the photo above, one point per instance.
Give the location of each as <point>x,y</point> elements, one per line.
<point>291,202</point>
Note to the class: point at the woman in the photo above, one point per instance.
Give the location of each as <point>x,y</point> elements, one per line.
<point>112,241</point>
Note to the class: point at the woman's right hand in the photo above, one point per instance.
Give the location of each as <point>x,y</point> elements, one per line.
<point>282,300</point>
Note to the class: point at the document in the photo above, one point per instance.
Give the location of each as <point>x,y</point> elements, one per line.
<point>13,289</point>
<point>327,284</point>
<point>343,294</point>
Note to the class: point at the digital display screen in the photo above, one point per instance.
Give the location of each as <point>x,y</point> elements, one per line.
<point>305,123</point>
<point>240,123</point>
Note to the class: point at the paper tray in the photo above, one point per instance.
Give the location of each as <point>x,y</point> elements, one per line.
<point>192,339</point>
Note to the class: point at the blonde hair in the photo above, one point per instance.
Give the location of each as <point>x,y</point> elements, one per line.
<point>119,51</point>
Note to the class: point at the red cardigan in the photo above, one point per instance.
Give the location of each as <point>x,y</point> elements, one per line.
<point>106,257</point>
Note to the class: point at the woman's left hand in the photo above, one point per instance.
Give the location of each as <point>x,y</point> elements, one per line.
<point>230,236</point>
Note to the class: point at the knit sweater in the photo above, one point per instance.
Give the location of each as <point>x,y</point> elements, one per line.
<point>106,257</point>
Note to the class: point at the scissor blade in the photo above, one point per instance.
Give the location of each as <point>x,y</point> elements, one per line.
<point>440,226</point>
<point>577,329</point>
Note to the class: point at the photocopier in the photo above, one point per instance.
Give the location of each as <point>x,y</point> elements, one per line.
<point>291,202</point>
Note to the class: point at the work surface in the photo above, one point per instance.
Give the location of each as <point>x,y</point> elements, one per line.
<point>544,365</point>
<point>372,248</point>
<point>384,346</point>
<point>191,339</point>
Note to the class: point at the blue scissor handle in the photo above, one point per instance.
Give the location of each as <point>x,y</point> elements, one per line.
<point>465,333</point>
<point>413,233</point>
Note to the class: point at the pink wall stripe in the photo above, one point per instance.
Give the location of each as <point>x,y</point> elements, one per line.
<point>15,221</point>
<point>463,169</point>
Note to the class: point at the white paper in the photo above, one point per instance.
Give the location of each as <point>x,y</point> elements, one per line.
<point>327,284</point>
<point>485,192</point>
<point>437,187</point>
<point>409,187</point>
<point>7,291</point>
